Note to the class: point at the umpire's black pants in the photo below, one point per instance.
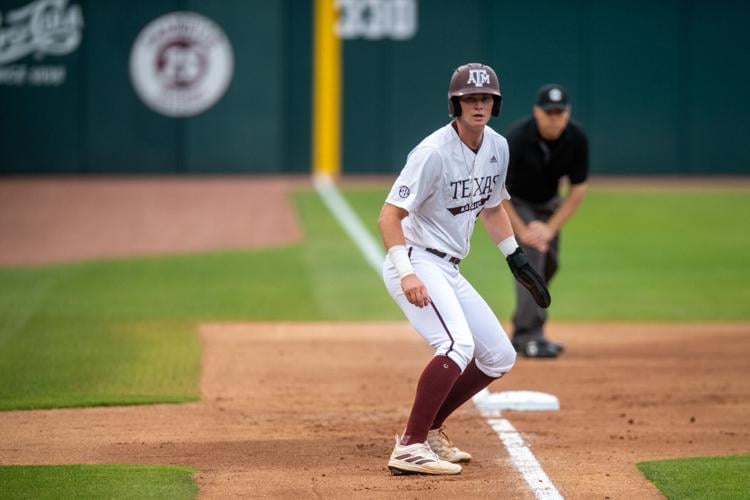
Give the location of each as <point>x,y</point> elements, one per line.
<point>529,318</point>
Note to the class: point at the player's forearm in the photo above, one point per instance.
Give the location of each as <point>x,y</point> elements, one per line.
<point>497,222</point>
<point>391,235</point>
<point>518,225</point>
<point>568,207</point>
<point>389,225</point>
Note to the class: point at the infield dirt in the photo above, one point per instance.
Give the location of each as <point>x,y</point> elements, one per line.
<point>297,410</point>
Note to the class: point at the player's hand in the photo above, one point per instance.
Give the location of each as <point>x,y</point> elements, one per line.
<point>415,291</point>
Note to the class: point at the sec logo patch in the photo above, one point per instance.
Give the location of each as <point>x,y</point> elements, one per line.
<point>404,192</point>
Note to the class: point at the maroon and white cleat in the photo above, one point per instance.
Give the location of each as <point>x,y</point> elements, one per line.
<point>418,458</point>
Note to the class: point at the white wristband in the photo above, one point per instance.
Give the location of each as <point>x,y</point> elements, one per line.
<point>508,245</point>
<point>400,260</point>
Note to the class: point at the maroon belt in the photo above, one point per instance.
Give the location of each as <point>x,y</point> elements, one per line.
<point>443,255</point>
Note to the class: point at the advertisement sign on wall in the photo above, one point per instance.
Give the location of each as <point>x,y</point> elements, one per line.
<point>39,29</point>
<point>377,19</point>
<point>181,64</point>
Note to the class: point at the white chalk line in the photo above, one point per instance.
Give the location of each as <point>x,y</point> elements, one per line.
<point>523,460</point>
<point>349,222</point>
<point>520,455</point>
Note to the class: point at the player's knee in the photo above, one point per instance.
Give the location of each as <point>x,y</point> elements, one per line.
<point>497,363</point>
<point>462,351</point>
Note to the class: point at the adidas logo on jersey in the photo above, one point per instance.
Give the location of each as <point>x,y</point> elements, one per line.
<point>493,159</point>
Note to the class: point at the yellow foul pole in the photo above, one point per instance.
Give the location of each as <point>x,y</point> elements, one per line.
<point>326,120</point>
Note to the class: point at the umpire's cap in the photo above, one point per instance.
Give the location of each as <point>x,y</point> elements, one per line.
<point>473,78</point>
<point>552,96</point>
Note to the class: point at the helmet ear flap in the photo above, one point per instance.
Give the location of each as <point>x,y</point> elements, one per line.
<point>455,107</point>
<point>497,104</point>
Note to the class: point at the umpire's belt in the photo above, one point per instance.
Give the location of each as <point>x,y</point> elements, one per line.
<point>443,255</point>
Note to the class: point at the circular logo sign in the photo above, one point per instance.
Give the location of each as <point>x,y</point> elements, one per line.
<point>181,64</point>
<point>404,192</point>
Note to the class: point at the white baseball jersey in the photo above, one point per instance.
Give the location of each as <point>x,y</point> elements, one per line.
<point>444,185</point>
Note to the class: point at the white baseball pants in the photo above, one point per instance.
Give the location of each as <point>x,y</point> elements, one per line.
<point>458,323</point>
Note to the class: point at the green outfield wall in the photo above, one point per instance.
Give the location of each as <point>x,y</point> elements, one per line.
<point>199,86</point>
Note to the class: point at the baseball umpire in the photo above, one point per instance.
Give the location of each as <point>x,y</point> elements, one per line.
<point>543,149</point>
<point>454,176</point>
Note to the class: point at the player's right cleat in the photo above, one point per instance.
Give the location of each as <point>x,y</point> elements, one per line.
<point>443,447</point>
<point>418,458</point>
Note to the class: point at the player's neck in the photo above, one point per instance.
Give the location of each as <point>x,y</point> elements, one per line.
<point>471,136</point>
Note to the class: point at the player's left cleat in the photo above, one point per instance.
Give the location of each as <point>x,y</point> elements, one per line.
<point>418,458</point>
<point>443,447</point>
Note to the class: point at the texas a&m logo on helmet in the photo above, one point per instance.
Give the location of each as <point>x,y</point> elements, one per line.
<point>479,77</point>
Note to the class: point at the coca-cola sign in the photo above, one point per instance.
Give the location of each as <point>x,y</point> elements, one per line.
<point>43,27</point>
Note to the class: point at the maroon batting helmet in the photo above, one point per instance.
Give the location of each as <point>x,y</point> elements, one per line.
<point>473,78</point>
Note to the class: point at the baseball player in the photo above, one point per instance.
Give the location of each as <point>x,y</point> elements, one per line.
<point>454,176</point>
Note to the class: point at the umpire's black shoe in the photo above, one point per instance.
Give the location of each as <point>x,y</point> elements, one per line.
<point>538,349</point>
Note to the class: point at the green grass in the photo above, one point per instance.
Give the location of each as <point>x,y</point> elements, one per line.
<point>677,255</point>
<point>124,331</point>
<point>97,481</point>
<point>342,285</point>
<point>715,478</point>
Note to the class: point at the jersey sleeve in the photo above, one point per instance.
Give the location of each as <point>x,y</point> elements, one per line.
<point>417,179</point>
<point>499,191</point>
